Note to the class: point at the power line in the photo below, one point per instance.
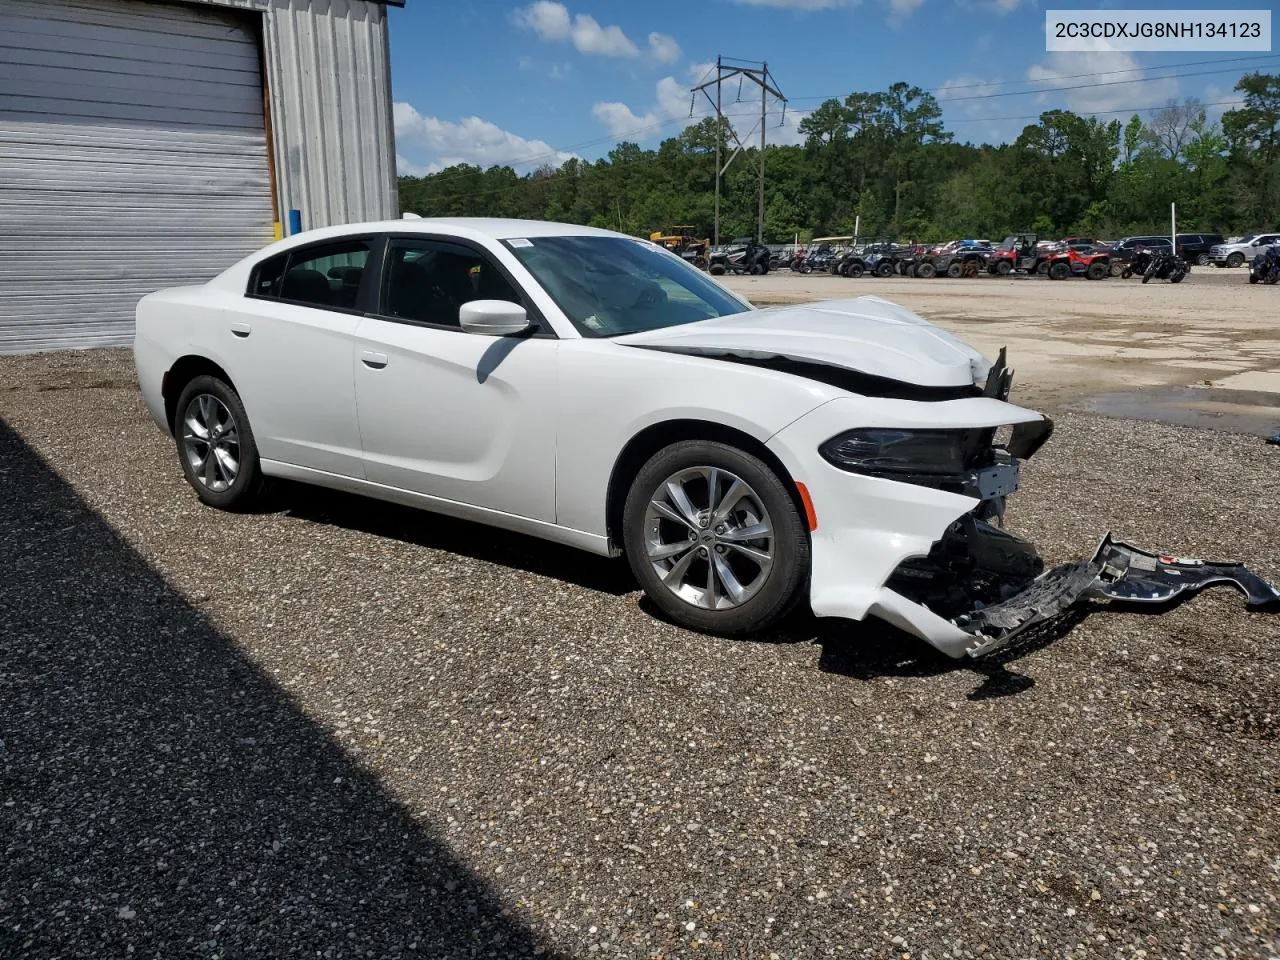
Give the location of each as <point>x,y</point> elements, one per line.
<point>1083,86</point>
<point>1091,113</point>
<point>1078,76</point>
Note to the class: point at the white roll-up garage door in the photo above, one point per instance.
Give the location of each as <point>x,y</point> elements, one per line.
<point>133,156</point>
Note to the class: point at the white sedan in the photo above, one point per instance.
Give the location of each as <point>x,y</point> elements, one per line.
<point>594,389</point>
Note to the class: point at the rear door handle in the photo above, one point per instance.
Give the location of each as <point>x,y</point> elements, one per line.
<point>241,329</point>
<point>374,361</point>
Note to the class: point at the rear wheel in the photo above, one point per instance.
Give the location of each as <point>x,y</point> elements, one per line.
<point>955,270</point>
<point>215,445</point>
<point>1004,267</point>
<point>854,270</point>
<point>1203,260</point>
<point>884,269</point>
<point>1117,268</point>
<point>1177,276</point>
<point>926,271</point>
<point>715,538</point>
<point>716,270</point>
<point>1059,271</point>
<point>1097,271</point>
<point>1042,267</point>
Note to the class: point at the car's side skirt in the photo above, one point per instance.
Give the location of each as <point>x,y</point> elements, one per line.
<point>591,542</point>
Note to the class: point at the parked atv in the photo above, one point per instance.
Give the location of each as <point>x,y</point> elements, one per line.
<point>1265,267</point>
<point>1018,253</point>
<point>750,257</point>
<point>1165,265</point>
<point>960,258</point>
<point>1094,265</point>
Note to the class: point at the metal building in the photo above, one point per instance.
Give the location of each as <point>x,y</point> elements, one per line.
<point>150,143</point>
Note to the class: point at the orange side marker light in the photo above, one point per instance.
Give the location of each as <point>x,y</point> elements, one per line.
<point>809,514</point>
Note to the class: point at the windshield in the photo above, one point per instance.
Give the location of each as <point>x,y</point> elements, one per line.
<point>1249,239</point>
<point>608,286</point>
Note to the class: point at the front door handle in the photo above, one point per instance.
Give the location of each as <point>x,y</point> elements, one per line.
<point>374,361</point>
<point>241,329</point>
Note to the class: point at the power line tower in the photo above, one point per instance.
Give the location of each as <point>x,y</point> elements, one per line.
<point>757,72</point>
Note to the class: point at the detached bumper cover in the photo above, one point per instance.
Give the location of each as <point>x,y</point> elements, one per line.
<point>1117,571</point>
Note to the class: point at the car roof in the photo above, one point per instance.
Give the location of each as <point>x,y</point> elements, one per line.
<point>496,228</point>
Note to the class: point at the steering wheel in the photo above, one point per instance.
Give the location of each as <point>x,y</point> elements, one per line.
<point>651,295</point>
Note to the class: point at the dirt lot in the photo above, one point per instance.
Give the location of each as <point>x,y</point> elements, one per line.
<point>1075,341</point>
<point>340,729</point>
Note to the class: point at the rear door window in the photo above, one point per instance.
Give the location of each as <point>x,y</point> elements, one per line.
<point>327,276</point>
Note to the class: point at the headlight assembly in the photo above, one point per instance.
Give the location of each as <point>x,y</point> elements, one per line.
<point>878,450</point>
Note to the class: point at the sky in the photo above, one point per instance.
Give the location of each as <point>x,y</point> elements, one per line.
<point>491,82</point>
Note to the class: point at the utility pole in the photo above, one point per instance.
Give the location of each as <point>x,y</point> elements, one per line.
<point>758,73</point>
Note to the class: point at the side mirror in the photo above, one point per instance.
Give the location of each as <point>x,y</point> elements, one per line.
<point>493,318</point>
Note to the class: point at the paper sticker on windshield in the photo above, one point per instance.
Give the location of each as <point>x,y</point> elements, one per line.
<point>520,242</point>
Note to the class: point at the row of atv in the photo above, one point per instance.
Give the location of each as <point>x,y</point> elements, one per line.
<point>1019,253</point>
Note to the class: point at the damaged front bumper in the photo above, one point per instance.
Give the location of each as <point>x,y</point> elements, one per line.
<point>1117,571</point>
<point>928,558</point>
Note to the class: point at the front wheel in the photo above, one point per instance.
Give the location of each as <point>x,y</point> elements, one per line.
<point>1177,276</point>
<point>1117,268</point>
<point>716,270</point>
<point>926,271</point>
<point>715,538</point>
<point>215,445</point>
<point>854,270</point>
<point>1235,260</point>
<point>1097,271</point>
<point>1004,268</point>
<point>1203,260</point>
<point>1059,271</point>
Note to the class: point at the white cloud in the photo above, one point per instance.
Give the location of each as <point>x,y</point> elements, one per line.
<point>1119,70</point>
<point>1218,100</point>
<point>548,20</point>
<point>663,48</point>
<point>469,140</point>
<point>552,22</point>
<point>1007,6</point>
<point>623,122</point>
<point>958,98</point>
<point>899,10</point>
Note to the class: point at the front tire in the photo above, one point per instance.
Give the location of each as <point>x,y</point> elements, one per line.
<point>1235,260</point>
<point>715,538</point>
<point>926,271</point>
<point>1004,268</point>
<point>1059,271</point>
<point>216,448</point>
<point>1097,271</point>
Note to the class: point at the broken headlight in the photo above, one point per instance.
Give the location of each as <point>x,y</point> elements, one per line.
<point>880,450</point>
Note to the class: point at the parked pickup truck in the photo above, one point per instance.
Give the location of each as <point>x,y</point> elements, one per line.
<point>1243,250</point>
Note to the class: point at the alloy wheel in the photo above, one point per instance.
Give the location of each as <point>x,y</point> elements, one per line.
<point>211,442</point>
<point>709,537</point>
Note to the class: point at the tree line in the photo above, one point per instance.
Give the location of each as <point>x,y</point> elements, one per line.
<point>887,159</point>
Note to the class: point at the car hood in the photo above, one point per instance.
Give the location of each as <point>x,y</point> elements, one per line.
<point>868,335</point>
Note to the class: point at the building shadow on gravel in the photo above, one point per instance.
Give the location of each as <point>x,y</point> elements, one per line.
<point>161,797</point>
<point>464,537</point>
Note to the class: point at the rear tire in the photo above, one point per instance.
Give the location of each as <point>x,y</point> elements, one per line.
<point>1059,271</point>
<point>716,270</point>
<point>884,270</point>
<point>1203,260</point>
<point>1097,271</point>
<point>216,449</point>
<point>1117,268</point>
<point>854,270</point>
<point>1004,268</point>
<point>955,270</point>
<point>1042,267</point>
<point>756,580</point>
<point>926,271</point>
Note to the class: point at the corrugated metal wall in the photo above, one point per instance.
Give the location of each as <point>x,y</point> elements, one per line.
<point>132,157</point>
<point>329,77</point>
<point>133,148</point>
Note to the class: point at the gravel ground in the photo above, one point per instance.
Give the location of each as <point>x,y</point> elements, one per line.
<point>338,728</point>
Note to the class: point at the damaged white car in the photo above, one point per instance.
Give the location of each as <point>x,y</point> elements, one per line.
<point>591,388</point>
